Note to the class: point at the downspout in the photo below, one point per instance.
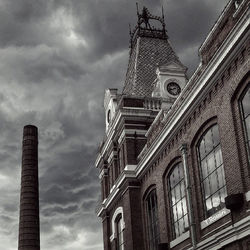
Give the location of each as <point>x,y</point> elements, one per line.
<point>183,149</point>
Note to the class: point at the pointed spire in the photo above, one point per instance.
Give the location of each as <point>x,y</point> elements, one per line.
<point>163,22</point>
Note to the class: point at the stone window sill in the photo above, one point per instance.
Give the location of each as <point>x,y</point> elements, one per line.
<point>217,216</point>
<point>180,239</point>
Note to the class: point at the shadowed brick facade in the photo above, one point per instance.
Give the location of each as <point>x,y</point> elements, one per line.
<point>175,165</point>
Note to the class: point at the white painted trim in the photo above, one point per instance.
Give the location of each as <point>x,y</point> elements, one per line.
<point>111,156</point>
<point>102,173</point>
<point>121,137</point>
<point>180,239</point>
<point>134,108</point>
<point>247,194</point>
<point>215,217</point>
<point>130,167</point>
<point>98,159</point>
<point>118,211</point>
<point>113,188</point>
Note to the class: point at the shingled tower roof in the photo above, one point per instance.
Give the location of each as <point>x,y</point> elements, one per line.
<point>149,48</point>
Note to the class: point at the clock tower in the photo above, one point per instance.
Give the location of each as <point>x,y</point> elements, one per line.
<point>154,79</point>
<point>171,79</point>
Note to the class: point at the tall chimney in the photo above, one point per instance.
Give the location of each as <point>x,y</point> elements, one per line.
<point>29,228</point>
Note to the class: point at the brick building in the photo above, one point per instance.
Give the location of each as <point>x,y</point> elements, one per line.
<point>175,161</point>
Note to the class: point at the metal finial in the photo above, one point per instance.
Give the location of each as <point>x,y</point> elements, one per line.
<point>137,8</point>
<point>162,9</point>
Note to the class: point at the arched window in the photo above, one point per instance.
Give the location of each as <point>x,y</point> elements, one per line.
<point>178,200</point>
<point>118,226</point>
<point>212,171</point>
<point>245,108</point>
<point>152,220</point>
<point>119,230</point>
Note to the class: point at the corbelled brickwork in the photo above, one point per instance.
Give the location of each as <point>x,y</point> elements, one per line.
<point>29,230</point>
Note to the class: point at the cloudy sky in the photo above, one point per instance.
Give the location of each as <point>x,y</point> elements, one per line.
<point>56,59</point>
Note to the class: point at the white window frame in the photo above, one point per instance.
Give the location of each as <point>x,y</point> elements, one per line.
<point>118,211</point>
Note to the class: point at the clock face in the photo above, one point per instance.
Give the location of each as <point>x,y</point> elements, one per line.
<point>173,88</point>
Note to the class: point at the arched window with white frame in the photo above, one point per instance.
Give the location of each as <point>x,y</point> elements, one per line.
<point>118,226</point>
<point>212,171</point>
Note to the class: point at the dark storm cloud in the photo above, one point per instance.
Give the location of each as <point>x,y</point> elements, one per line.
<point>20,21</point>
<point>56,59</point>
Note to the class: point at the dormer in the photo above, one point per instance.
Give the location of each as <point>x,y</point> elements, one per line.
<point>110,104</point>
<point>171,79</point>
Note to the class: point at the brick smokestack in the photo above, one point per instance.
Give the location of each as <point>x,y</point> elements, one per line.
<point>29,228</point>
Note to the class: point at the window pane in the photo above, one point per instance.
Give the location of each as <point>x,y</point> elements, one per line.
<point>208,204</point>
<point>180,171</point>
<point>216,137</point>
<point>186,224</point>
<point>221,177</point>
<point>175,213</point>
<point>179,209</point>
<point>204,168</point>
<point>177,193</point>
<point>246,103</point>
<point>223,194</point>
<point>208,142</point>
<point>247,121</point>
<point>182,184</point>
<point>173,197</point>
<point>176,227</point>
<point>202,149</point>
<point>218,156</point>
<point>184,206</point>
<point>216,200</point>
<point>206,186</point>
<point>174,178</point>
<point>211,162</point>
<point>181,225</point>
<point>213,182</point>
